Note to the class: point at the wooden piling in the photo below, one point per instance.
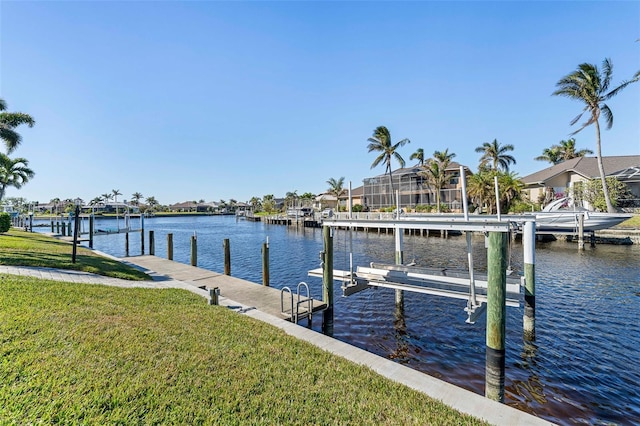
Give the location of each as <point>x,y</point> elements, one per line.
<point>227,256</point>
<point>327,280</point>
<point>126,244</point>
<point>52,228</point>
<point>194,251</point>
<point>92,226</point>
<point>152,244</point>
<point>265,264</point>
<point>529,244</point>
<point>76,228</point>
<point>170,246</point>
<point>496,316</point>
<point>64,229</point>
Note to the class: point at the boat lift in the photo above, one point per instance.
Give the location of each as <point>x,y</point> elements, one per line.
<point>466,285</point>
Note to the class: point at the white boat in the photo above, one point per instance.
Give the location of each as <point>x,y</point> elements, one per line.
<point>557,217</point>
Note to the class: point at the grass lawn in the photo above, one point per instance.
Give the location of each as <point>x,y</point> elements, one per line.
<point>633,223</point>
<point>19,248</point>
<point>102,355</point>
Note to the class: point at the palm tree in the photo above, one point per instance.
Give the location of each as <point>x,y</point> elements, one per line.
<point>418,155</point>
<point>106,197</point>
<point>435,171</point>
<point>495,156</point>
<point>8,122</point>
<point>481,189</point>
<point>136,197</point>
<point>381,142</point>
<point>568,150</point>
<point>590,86</point>
<point>115,193</point>
<point>152,203</point>
<point>553,155</point>
<point>55,202</point>
<point>510,188</point>
<point>336,188</point>
<point>13,172</point>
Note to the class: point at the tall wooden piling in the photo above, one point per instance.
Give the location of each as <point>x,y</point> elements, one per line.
<point>52,228</point>
<point>126,244</point>
<point>64,229</point>
<point>529,244</point>
<point>152,243</point>
<point>76,230</point>
<point>142,234</point>
<point>327,280</point>
<point>265,264</point>
<point>170,246</point>
<point>92,226</point>
<point>496,315</point>
<point>227,256</point>
<point>194,251</point>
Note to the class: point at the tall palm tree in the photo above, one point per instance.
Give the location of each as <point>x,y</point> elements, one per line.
<point>553,155</point>
<point>381,142</point>
<point>8,122</point>
<point>106,197</point>
<point>590,86</point>
<point>115,193</point>
<point>418,155</point>
<point>136,197</point>
<point>495,156</point>
<point>13,172</point>
<point>568,150</point>
<point>336,188</point>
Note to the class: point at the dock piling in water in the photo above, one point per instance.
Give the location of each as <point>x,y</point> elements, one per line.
<point>265,264</point>
<point>170,246</point>
<point>227,256</point>
<point>529,244</point>
<point>152,243</point>
<point>194,251</point>
<point>496,316</point>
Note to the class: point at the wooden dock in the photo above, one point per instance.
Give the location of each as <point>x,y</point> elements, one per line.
<point>264,299</point>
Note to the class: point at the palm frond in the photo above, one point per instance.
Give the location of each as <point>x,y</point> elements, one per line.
<point>608,115</point>
<point>378,159</point>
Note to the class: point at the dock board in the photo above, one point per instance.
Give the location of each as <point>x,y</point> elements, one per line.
<point>264,299</point>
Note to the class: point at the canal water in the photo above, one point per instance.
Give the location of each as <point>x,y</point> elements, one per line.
<point>582,368</point>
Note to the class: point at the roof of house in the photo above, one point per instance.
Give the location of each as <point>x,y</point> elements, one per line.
<point>585,166</point>
<point>355,192</point>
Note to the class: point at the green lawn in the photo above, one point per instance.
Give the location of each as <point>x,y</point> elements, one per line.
<point>19,248</point>
<point>90,354</point>
<point>633,223</point>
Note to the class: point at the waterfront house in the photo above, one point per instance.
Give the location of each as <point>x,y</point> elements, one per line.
<point>557,180</point>
<point>413,188</point>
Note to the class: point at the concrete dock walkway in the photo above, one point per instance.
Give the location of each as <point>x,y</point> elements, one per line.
<point>170,274</point>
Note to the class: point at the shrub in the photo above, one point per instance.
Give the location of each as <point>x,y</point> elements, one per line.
<point>5,222</point>
<point>357,208</point>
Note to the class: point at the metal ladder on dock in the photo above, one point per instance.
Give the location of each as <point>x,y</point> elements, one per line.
<point>293,310</point>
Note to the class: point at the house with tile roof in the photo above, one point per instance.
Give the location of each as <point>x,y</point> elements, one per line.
<point>546,184</point>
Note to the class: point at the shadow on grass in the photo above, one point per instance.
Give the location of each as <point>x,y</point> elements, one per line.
<point>27,249</point>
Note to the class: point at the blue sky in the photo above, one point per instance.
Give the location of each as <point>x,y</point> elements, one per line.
<point>219,100</point>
